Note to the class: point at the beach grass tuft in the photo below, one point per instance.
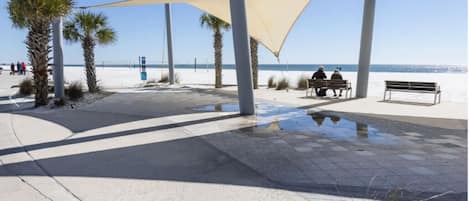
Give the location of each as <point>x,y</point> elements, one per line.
<point>283,84</point>
<point>74,91</point>
<point>164,78</point>
<point>26,87</point>
<point>302,82</point>
<point>271,82</point>
<point>177,78</point>
<point>59,102</point>
<point>151,81</point>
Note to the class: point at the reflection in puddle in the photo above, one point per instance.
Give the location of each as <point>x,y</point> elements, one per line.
<point>272,118</point>
<point>218,108</point>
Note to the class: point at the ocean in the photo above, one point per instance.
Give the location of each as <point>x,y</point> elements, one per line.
<point>312,67</point>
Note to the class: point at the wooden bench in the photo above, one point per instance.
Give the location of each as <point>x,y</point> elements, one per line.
<point>413,87</point>
<point>330,84</point>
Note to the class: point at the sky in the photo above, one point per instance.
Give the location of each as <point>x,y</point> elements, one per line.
<point>328,32</point>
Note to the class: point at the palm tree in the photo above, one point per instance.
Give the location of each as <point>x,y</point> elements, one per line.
<point>89,29</point>
<point>217,26</point>
<point>37,16</point>
<point>254,44</point>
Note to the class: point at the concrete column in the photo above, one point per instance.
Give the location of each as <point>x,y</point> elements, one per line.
<point>242,57</point>
<point>365,48</point>
<point>169,39</point>
<point>58,70</point>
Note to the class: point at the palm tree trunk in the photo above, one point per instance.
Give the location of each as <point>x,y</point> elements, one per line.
<point>218,45</point>
<point>254,44</point>
<point>38,51</point>
<point>88,51</point>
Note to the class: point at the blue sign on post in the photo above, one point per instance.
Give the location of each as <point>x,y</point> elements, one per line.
<point>143,72</point>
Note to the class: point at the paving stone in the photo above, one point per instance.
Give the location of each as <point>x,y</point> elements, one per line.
<point>365,153</point>
<point>448,150</point>
<point>447,156</point>
<point>413,134</point>
<point>323,140</point>
<point>417,152</point>
<point>411,157</point>
<point>301,137</point>
<point>339,148</point>
<point>303,149</point>
<point>277,141</point>
<point>422,170</point>
<point>312,144</point>
<point>411,138</point>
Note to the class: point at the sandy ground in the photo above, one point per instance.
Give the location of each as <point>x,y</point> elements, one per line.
<point>453,85</point>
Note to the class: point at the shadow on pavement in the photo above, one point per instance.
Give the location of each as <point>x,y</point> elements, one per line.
<point>189,160</point>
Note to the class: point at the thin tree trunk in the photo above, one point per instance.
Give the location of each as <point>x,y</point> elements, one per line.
<point>88,51</point>
<point>218,45</point>
<point>254,44</point>
<point>38,52</point>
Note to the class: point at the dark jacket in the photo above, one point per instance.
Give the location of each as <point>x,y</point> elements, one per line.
<point>336,76</point>
<point>319,75</point>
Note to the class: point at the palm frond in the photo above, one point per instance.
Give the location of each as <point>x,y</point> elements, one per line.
<point>214,23</point>
<point>105,36</point>
<point>24,13</point>
<point>85,24</point>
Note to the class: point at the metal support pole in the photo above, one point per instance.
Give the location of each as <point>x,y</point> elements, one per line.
<point>58,59</point>
<point>170,43</point>
<point>365,48</point>
<point>242,57</point>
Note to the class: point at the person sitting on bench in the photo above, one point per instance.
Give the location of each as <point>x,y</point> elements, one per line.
<point>336,76</point>
<point>319,75</point>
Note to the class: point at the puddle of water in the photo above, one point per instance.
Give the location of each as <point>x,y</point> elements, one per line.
<point>218,108</point>
<point>272,118</point>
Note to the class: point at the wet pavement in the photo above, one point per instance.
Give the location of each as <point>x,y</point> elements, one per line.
<point>349,152</point>
<point>136,143</point>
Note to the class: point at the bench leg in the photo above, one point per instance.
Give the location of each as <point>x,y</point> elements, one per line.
<point>384,97</point>
<point>439,97</point>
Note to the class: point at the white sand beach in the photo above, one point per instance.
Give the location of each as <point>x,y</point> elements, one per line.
<point>453,85</point>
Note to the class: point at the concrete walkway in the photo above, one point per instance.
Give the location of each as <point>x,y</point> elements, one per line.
<point>402,104</point>
<point>190,144</point>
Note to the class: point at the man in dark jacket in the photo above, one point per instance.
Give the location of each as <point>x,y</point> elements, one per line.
<point>12,68</point>
<point>336,76</point>
<point>319,75</point>
<point>18,67</point>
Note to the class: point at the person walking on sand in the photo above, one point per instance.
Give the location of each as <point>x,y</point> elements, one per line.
<point>336,76</point>
<point>18,67</point>
<point>23,68</point>
<point>319,75</point>
<point>12,68</point>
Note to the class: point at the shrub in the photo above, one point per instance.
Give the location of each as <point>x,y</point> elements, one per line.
<point>177,78</point>
<point>283,84</point>
<point>164,78</point>
<point>59,102</point>
<point>26,87</point>
<point>302,82</point>
<point>74,91</point>
<point>151,81</point>
<point>271,82</point>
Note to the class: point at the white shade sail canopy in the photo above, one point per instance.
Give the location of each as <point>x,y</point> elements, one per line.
<point>269,21</point>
